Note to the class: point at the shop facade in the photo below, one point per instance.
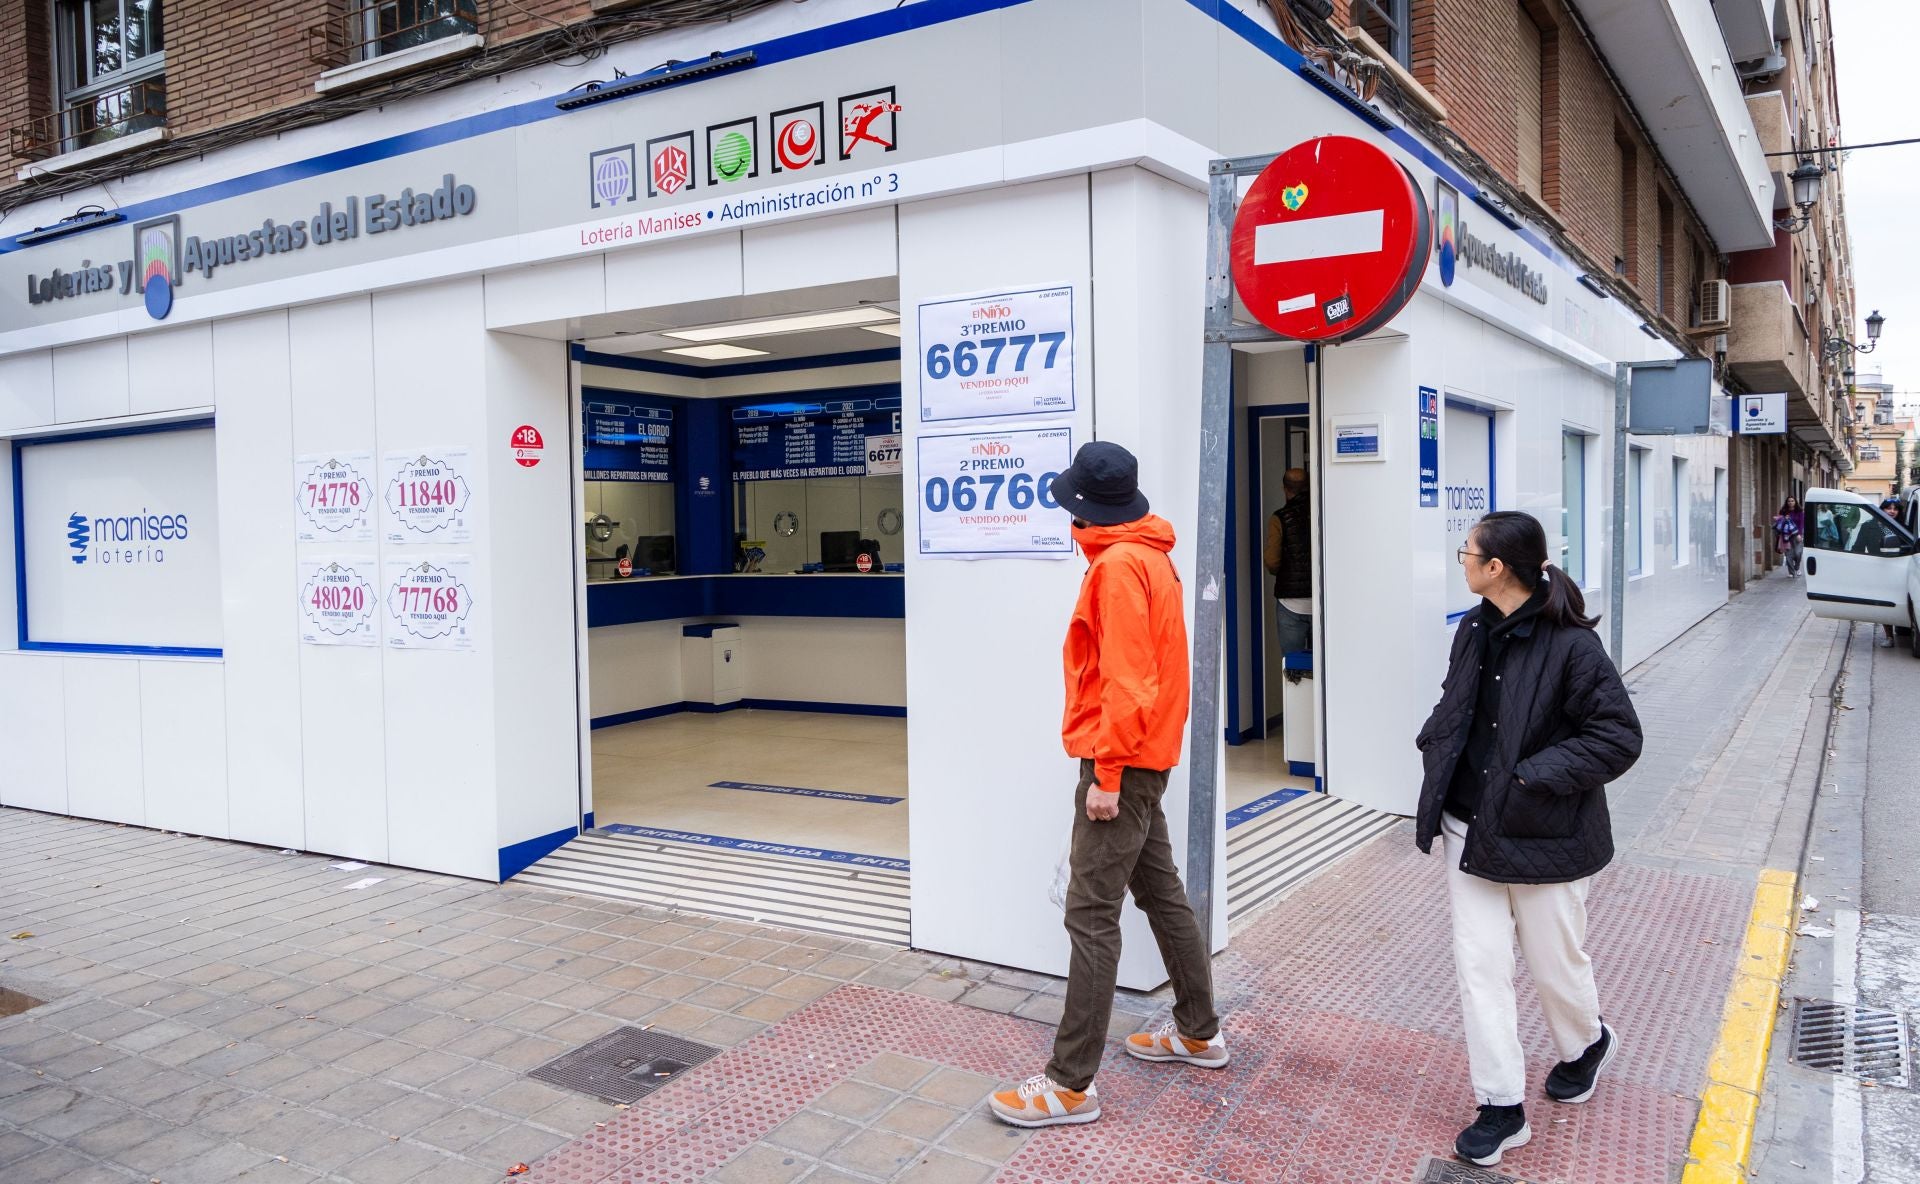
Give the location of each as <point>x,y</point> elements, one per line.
<point>380,307</point>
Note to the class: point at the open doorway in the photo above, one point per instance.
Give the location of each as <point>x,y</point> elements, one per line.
<point>744,748</point>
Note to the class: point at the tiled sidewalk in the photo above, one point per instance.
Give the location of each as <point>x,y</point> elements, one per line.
<point>219,1012</point>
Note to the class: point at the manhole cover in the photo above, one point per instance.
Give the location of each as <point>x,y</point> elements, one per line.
<point>1850,1040</point>
<point>625,1065</point>
<point>1434,1170</point>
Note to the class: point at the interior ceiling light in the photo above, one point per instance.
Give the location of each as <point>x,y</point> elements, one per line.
<point>891,329</point>
<point>717,352</point>
<point>793,324</point>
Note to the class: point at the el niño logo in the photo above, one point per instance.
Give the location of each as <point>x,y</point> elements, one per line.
<point>992,448</point>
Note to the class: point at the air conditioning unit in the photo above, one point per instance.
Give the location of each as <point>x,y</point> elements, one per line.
<point>1716,304</point>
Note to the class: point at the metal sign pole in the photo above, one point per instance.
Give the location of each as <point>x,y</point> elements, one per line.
<point>1210,547</point>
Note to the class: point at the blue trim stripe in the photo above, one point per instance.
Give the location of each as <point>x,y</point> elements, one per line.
<point>872,799</point>
<point>20,548</point>
<point>1302,768</point>
<point>586,820</point>
<point>780,49</point>
<point>585,356</point>
<point>1256,808</point>
<point>523,855</point>
<point>820,854</point>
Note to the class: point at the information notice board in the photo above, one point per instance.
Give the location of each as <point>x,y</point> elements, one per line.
<point>627,442</point>
<point>790,441</point>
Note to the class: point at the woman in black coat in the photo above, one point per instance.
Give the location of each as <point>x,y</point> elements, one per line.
<point>1532,723</point>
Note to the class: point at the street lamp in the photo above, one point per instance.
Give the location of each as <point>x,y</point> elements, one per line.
<point>1806,190</point>
<point>1832,345</point>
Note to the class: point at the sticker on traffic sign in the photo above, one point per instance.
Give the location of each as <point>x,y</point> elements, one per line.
<point>527,445</point>
<point>1331,240</point>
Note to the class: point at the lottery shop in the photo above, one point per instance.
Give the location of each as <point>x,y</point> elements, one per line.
<point>656,506</point>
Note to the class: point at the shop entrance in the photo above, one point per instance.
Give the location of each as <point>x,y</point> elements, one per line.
<point>1282,824</point>
<point>739,524</point>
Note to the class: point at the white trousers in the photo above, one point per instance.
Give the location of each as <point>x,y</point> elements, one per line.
<point>1551,922</point>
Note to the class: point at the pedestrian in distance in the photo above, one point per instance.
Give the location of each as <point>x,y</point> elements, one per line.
<point>1289,559</point>
<point>1789,533</point>
<point>1532,723</point>
<point>1126,671</point>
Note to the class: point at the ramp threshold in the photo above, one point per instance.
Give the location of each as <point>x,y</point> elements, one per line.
<point>863,903</point>
<point>1273,853</point>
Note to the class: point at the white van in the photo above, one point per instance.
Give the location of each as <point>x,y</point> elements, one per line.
<point>1861,564</point>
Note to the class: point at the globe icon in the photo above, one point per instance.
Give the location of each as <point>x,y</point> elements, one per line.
<point>732,156</point>
<point>613,179</point>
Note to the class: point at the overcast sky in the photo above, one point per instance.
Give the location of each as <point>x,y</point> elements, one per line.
<point>1874,44</point>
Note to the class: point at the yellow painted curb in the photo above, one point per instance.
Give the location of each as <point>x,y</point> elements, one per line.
<point>1730,1104</point>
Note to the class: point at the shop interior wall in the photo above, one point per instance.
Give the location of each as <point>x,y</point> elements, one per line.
<point>1265,379</point>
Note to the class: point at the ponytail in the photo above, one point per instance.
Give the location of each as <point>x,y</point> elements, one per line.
<point>1520,542</point>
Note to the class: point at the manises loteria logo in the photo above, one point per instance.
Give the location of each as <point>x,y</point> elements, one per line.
<point>124,539</point>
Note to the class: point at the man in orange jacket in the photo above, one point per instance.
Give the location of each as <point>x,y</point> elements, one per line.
<point>1126,668</point>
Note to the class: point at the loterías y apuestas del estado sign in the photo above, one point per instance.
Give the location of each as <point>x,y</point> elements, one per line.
<point>163,258</point>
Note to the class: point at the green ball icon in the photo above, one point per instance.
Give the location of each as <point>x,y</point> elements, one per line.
<point>732,157</point>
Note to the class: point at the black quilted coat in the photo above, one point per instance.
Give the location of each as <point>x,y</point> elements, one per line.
<point>1566,729</point>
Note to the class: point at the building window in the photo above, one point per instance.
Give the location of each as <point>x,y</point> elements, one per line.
<point>375,28</point>
<point>1636,506</point>
<point>111,58</point>
<point>1527,95</point>
<point>1386,22</point>
<point>1573,506</point>
<point>1697,276</point>
<point>1663,259</point>
<point>1682,514</point>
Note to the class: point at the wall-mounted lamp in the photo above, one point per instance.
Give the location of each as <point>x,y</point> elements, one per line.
<point>1595,286</point>
<point>1832,345</point>
<point>1806,178</point>
<point>85,218</point>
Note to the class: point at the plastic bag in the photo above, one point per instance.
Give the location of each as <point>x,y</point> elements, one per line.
<point>1062,877</point>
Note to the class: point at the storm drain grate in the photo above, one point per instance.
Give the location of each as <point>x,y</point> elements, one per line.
<point>625,1065</point>
<point>1434,1170</point>
<point>1850,1040</point>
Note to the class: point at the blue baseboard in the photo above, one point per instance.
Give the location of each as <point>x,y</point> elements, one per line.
<point>523,855</point>
<point>1303,768</point>
<point>633,717</point>
<point>586,820</point>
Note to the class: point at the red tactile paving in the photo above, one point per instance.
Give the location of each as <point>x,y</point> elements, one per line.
<point>1348,1063</point>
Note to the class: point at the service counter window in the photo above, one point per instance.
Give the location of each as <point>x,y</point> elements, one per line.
<point>817,485</point>
<point>630,506</point>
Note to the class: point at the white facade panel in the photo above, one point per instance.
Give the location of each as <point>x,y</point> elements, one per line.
<point>171,369</point>
<point>547,292</point>
<point>429,381</point>
<point>857,246</point>
<point>103,740</point>
<point>90,381</point>
<point>183,746</point>
<point>26,390</point>
<point>705,268</point>
<point>253,441</point>
<point>342,699</point>
<point>33,731</point>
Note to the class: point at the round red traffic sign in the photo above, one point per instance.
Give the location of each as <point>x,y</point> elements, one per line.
<point>1331,240</point>
<point>863,561</point>
<point>527,445</point>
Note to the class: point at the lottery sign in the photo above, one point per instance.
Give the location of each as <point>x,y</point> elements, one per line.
<point>427,497</point>
<point>997,354</point>
<point>338,600</point>
<point>428,602</point>
<point>334,495</point>
<point>989,495</point>
<point>883,455</point>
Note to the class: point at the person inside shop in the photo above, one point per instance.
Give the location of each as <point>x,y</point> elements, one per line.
<point>1289,556</point>
<point>1533,722</point>
<point>1127,682</point>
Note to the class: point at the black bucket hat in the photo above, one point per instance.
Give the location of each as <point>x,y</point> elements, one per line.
<point>1102,485</point>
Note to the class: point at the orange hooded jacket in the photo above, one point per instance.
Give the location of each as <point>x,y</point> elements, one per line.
<point>1126,652</point>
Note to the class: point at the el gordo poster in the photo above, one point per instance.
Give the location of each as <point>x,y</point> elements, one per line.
<point>427,497</point>
<point>428,603</point>
<point>339,601</point>
<point>334,496</point>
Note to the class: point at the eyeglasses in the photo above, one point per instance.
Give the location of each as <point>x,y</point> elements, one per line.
<point>1462,553</point>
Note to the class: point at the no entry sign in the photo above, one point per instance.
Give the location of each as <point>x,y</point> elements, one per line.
<point>1331,240</point>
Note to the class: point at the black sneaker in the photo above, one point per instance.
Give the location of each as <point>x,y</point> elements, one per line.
<point>1500,1129</point>
<point>1573,1081</point>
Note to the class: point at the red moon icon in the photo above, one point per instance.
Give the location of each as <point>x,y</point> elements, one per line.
<point>797,143</point>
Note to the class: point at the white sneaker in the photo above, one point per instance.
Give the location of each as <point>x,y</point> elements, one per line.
<point>1167,1044</point>
<point>1040,1101</point>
